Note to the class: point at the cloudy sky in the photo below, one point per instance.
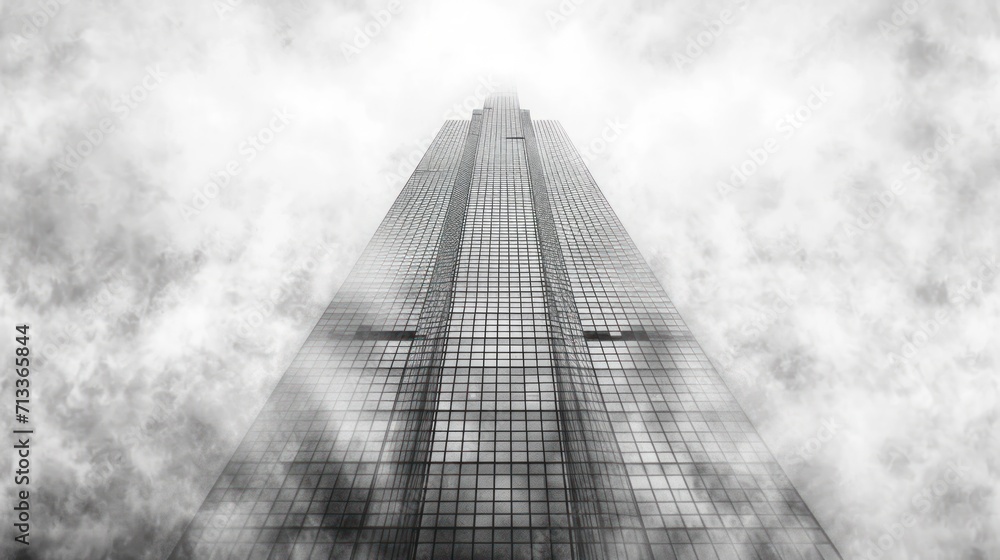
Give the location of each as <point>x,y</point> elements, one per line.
<point>815,183</point>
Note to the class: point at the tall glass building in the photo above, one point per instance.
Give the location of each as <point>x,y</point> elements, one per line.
<point>502,376</point>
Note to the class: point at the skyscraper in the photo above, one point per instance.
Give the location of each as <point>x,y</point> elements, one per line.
<point>502,376</point>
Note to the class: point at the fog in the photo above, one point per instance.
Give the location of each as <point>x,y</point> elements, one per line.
<point>184,186</point>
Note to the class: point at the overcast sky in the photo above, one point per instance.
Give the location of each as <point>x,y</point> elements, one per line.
<point>183,186</point>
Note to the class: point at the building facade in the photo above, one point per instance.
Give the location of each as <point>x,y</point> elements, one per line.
<point>502,376</point>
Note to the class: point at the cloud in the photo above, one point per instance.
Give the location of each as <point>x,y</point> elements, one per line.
<point>171,243</point>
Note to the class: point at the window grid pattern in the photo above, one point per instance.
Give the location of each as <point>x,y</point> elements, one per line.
<point>300,483</point>
<point>707,486</point>
<point>502,376</point>
<point>398,487</point>
<point>606,517</point>
<point>496,486</point>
